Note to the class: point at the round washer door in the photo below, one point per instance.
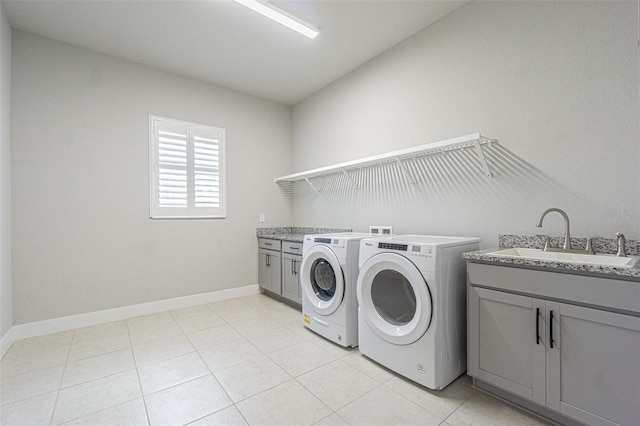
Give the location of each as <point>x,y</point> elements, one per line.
<point>394,298</point>
<point>322,281</point>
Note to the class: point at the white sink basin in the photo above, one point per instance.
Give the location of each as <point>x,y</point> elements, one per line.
<point>589,259</point>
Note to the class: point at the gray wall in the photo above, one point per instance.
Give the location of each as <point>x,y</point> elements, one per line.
<point>82,237</point>
<point>6,298</point>
<point>555,82</point>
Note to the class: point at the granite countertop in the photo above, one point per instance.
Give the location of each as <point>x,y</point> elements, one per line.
<point>601,246</point>
<point>294,233</point>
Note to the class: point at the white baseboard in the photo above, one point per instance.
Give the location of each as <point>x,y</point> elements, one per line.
<point>6,341</point>
<point>56,325</point>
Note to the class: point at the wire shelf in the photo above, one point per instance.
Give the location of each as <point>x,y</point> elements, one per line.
<point>475,140</point>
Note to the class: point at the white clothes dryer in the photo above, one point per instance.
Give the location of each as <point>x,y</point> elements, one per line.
<point>412,305</point>
<point>329,271</point>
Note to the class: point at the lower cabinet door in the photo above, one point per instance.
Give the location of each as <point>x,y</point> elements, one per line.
<point>593,370</point>
<point>264,273</point>
<point>507,342</point>
<point>276,272</point>
<point>269,272</point>
<point>291,277</point>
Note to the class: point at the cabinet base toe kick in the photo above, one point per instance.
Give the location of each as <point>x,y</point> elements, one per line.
<point>284,300</point>
<point>525,405</point>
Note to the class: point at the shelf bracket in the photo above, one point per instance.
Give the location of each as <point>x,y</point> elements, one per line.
<point>312,186</point>
<point>353,182</point>
<point>482,158</point>
<point>406,171</point>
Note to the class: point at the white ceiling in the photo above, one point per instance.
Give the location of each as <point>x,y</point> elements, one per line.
<point>222,42</point>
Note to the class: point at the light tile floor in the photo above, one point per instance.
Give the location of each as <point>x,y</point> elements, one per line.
<point>236,362</point>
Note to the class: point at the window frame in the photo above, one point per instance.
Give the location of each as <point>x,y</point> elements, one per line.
<point>190,211</point>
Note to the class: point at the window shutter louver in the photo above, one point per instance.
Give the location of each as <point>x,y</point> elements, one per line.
<point>187,164</point>
<point>172,165</point>
<point>206,169</point>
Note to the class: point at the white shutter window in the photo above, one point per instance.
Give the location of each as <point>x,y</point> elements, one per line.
<point>186,169</point>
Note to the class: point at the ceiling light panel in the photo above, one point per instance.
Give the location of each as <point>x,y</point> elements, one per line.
<point>280,16</point>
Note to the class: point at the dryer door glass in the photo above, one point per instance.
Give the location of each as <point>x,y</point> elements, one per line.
<point>323,279</point>
<point>393,297</point>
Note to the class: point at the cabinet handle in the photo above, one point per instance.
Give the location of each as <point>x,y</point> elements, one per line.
<point>295,267</point>
<point>267,261</point>
<point>537,326</point>
<point>551,329</point>
<point>267,244</point>
<point>293,248</point>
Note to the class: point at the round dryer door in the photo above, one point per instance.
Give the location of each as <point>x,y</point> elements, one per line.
<point>394,298</point>
<point>321,280</point>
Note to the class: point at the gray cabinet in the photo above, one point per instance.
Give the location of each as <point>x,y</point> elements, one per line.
<point>579,361</point>
<point>291,260</point>
<point>506,347</point>
<point>278,268</point>
<point>593,370</point>
<point>269,267</point>
<point>291,277</point>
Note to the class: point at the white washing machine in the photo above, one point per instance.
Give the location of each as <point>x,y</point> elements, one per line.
<point>412,305</point>
<point>329,271</point>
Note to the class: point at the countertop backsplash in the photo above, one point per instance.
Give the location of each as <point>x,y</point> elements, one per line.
<point>600,245</point>
<point>294,233</point>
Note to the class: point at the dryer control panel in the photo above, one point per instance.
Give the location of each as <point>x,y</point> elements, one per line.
<point>423,251</point>
<point>392,246</point>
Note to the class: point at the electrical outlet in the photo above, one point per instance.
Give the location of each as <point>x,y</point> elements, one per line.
<point>380,230</point>
<point>262,217</point>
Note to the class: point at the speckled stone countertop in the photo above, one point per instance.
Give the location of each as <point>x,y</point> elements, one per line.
<point>294,233</point>
<point>601,245</point>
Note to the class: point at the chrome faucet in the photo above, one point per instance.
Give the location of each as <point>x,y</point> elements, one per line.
<point>567,236</point>
<point>622,251</point>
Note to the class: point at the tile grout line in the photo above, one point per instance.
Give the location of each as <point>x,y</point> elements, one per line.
<point>64,370</point>
<point>219,384</point>
<point>195,350</point>
<point>92,380</point>
<point>460,406</point>
<point>416,404</point>
<point>135,364</point>
<point>318,397</point>
<point>233,403</point>
<point>291,378</point>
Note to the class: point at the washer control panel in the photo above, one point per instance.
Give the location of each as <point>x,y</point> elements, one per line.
<point>322,240</point>
<point>333,242</point>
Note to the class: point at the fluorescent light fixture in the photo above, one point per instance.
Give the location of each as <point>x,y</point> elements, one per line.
<point>280,16</point>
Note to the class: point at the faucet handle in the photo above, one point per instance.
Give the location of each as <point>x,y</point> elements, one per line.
<point>622,251</point>
<point>589,246</point>
<point>547,241</point>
